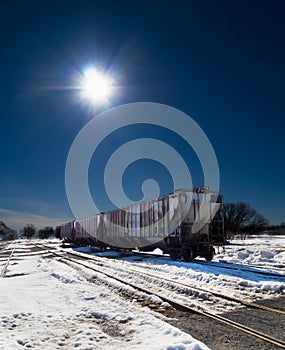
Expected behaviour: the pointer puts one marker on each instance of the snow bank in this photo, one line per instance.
(260, 251)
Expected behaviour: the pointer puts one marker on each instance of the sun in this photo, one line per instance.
(96, 86)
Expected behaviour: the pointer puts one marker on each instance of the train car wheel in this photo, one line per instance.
(210, 254)
(187, 253)
(175, 254)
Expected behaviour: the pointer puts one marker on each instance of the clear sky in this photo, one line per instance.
(220, 62)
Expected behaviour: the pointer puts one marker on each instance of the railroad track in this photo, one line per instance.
(191, 286)
(220, 295)
(4, 247)
(260, 270)
(245, 268)
(225, 265)
(65, 257)
(175, 283)
(221, 264)
(5, 268)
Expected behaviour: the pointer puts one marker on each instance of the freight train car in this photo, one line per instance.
(180, 224)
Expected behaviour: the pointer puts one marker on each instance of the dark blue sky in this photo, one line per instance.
(221, 62)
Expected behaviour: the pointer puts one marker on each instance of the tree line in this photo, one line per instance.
(29, 231)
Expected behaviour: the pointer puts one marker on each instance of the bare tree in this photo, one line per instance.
(241, 219)
(28, 231)
(6, 233)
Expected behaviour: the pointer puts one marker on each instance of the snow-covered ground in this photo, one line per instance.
(48, 305)
(45, 304)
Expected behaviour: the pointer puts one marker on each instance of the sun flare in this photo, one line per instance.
(96, 86)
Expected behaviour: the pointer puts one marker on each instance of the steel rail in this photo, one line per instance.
(238, 268)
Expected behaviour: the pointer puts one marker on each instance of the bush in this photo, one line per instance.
(46, 232)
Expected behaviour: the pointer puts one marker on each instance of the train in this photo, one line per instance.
(183, 224)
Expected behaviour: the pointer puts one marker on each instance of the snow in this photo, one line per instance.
(46, 304)
(258, 251)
